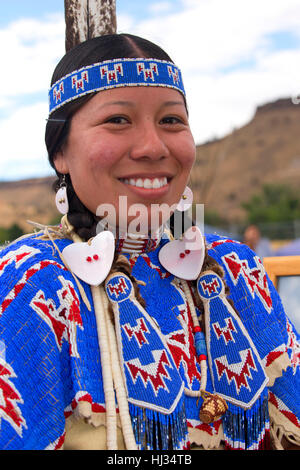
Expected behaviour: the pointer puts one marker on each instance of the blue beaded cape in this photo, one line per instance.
(50, 359)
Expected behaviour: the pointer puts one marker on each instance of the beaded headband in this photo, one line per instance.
(113, 74)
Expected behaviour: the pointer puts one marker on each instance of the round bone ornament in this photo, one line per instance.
(186, 200)
(91, 261)
(61, 200)
(184, 258)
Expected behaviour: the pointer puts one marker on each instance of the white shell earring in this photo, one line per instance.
(61, 198)
(186, 200)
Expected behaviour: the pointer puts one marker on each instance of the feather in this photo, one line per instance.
(86, 19)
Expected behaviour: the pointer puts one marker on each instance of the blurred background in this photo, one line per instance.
(241, 68)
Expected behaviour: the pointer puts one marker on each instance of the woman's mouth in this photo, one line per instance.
(146, 183)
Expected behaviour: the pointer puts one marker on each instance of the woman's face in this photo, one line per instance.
(133, 142)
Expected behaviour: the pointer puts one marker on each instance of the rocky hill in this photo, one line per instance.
(30, 199)
(266, 150)
(227, 171)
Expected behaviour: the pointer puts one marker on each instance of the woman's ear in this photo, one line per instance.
(60, 162)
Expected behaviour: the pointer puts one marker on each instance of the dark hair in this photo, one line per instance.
(107, 47)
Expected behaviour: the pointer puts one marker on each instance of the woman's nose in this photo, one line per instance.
(149, 144)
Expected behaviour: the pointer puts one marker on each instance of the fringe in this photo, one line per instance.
(247, 429)
(156, 431)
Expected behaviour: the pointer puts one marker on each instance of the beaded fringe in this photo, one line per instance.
(248, 429)
(156, 431)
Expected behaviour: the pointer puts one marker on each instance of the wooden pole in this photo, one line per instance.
(86, 19)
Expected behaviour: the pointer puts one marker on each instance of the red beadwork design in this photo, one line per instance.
(137, 331)
(282, 408)
(182, 255)
(162, 273)
(238, 372)
(294, 345)
(153, 373)
(182, 346)
(96, 257)
(22, 282)
(226, 331)
(89, 259)
(10, 410)
(255, 278)
(62, 319)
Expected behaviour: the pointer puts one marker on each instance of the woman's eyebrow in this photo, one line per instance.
(133, 104)
(173, 103)
(118, 103)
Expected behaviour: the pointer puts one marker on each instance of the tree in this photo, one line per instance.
(86, 19)
(276, 203)
(10, 234)
(275, 211)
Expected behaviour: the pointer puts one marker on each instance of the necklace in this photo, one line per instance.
(213, 406)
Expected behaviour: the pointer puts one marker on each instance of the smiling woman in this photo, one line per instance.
(151, 156)
(119, 339)
(119, 111)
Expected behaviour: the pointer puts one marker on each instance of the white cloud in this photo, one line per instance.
(208, 39)
(218, 103)
(31, 50)
(22, 142)
(160, 7)
(209, 36)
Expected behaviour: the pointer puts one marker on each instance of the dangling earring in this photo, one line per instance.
(186, 200)
(61, 198)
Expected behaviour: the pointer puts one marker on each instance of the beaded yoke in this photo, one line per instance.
(50, 365)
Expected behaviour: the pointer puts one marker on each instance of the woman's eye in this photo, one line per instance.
(172, 120)
(117, 120)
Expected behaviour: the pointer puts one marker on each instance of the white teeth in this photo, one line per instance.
(138, 183)
(147, 183)
(156, 183)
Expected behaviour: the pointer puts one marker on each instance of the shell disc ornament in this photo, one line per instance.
(61, 200)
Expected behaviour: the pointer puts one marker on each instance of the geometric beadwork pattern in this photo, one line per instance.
(114, 74)
(236, 368)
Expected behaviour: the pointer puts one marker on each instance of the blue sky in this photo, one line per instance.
(234, 55)
(39, 9)
(14, 9)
